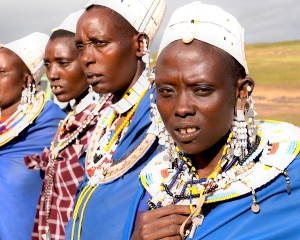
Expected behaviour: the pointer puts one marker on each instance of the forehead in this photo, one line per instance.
(61, 46)
(9, 57)
(196, 60)
(93, 21)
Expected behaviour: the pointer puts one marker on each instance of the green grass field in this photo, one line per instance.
(275, 63)
(275, 67)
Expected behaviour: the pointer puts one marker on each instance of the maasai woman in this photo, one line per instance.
(230, 177)
(27, 125)
(64, 161)
(112, 38)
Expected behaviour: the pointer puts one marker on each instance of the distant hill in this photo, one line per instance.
(274, 63)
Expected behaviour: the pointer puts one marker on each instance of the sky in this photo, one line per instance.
(263, 20)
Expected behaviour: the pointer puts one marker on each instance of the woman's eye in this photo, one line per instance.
(203, 90)
(2, 71)
(64, 64)
(98, 43)
(166, 92)
(79, 46)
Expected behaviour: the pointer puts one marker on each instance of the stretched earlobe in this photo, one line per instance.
(245, 87)
(143, 44)
(28, 79)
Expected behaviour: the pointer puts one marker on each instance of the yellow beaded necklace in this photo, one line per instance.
(88, 190)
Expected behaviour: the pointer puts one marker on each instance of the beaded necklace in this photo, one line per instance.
(24, 116)
(59, 143)
(104, 141)
(105, 138)
(179, 184)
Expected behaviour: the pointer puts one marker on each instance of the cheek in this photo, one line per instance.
(11, 89)
(165, 109)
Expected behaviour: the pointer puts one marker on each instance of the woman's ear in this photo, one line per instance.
(28, 79)
(143, 43)
(244, 88)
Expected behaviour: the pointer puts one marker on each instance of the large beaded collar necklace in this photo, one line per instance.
(26, 113)
(106, 137)
(177, 182)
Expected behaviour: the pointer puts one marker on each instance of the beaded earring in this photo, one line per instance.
(164, 138)
(28, 94)
(146, 59)
(250, 114)
(243, 133)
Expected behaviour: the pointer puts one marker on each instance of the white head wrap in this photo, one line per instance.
(31, 50)
(209, 24)
(70, 22)
(144, 15)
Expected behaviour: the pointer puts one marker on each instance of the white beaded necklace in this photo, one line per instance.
(97, 168)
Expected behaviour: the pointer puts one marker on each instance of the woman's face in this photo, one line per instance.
(12, 70)
(63, 69)
(195, 95)
(107, 56)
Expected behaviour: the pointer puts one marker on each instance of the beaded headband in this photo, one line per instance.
(144, 15)
(31, 50)
(70, 22)
(209, 24)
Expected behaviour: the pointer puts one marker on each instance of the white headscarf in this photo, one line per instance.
(209, 24)
(70, 22)
(31, 50)
(144, 15)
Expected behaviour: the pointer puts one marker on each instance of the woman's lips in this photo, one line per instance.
(57, 90)
(186, 134)
(93, 78)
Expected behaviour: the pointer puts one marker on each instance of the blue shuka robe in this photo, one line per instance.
(19, 187)
(115, 202)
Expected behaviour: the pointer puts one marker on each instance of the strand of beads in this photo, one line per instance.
(124, 123)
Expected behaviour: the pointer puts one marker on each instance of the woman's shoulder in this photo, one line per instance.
(51, 113)
(278, 131)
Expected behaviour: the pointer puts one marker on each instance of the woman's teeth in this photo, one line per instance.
(187, 130)
(55, 88)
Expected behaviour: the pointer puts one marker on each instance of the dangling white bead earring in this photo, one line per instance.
(250, 114)
(28, 94)
(164, 138)
(146, 59)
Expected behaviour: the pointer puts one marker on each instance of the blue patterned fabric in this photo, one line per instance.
(20, 187)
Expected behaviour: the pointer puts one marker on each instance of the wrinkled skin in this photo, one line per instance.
(64, 70)
(110, 60)
(194, 91)
(14, 77)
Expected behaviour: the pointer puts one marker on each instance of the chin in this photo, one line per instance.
(100, 89)
(63, 99)
(189, 147)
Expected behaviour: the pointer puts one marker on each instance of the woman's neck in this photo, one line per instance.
(10, 110)
(119, 94)
(82, 95)
(206, 162)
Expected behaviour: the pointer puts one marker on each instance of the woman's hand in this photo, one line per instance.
(162, 223)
